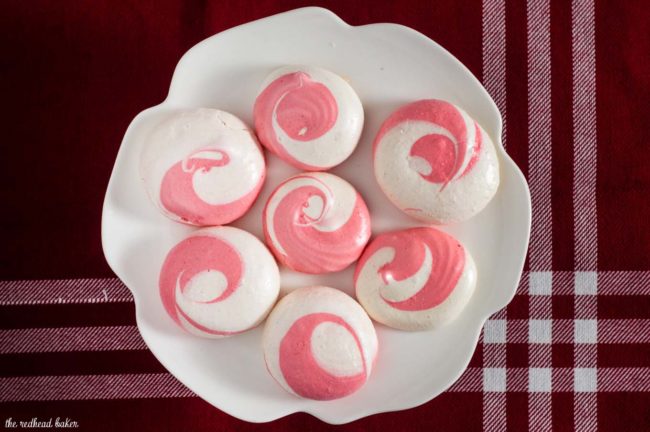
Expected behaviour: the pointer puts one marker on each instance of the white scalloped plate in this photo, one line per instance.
(388, 65)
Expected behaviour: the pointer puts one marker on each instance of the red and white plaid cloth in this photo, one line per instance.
(572, 80)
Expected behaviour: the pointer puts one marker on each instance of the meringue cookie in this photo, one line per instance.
(435, 163)
(219, 281)
(308, 116)
(316, 223)
(415, 279)
(202, 167)
(319, 343)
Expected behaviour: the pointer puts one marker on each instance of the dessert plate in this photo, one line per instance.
(388, 65)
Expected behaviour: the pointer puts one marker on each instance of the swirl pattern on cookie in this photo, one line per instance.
(218, 282)
(435, 162)
(308, 116)
(415, 279)
(203, 167)
(319, 344)
(316, 223)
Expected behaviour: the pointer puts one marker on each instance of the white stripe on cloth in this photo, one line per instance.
(83, 387)
(470, 381)
(539, 131)
(70, 339)
(605, 282)
(624, 283)
(539, 413)
(494, 55)
(611, 380)
(622, 331)
(162, 385)
(583, 51)
(494, 412)
(61, 291)
(538, 31)
(495, 331)
(568, 331)
(623, 379)
(585, 349)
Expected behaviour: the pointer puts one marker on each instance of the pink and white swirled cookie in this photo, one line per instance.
(218, 282)
(308, 116)
(316, 223)
(319, 343)
(202, 167)
(435, 162)
(415, 279)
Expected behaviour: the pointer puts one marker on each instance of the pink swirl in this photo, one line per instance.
(447, 263)
(187, 259)
(447, 161)
(304, 109)
(303, 241)
(178, 196)
(301, 370)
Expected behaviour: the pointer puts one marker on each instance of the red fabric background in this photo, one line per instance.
(74, 73)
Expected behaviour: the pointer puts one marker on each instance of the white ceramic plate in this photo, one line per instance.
(388, 65)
